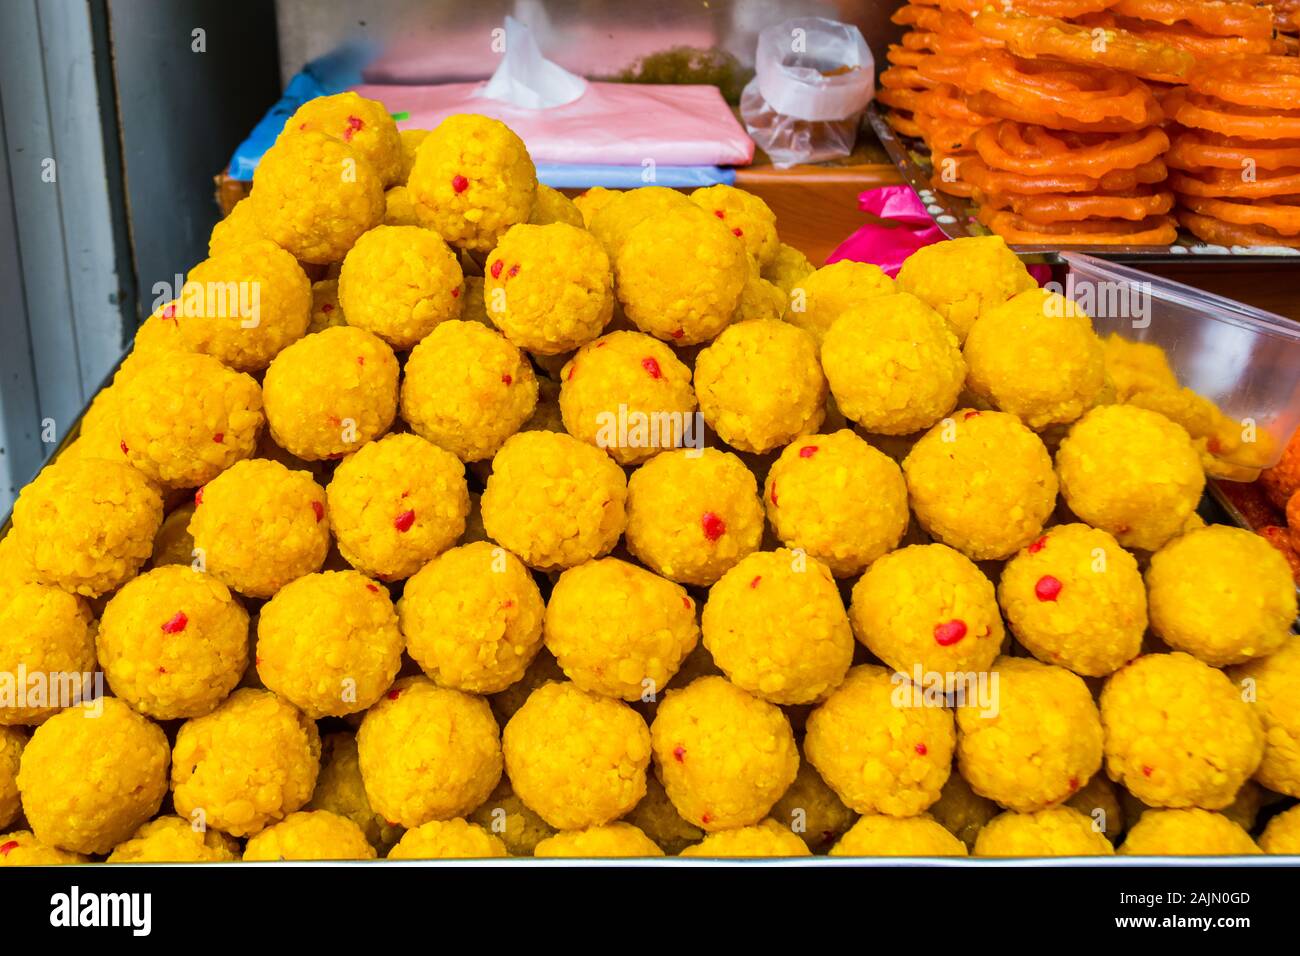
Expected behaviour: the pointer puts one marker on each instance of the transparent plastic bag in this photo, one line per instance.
(813, 78)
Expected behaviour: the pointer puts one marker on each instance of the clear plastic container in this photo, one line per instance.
(1245, 360)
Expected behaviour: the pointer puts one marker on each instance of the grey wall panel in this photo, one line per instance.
(64, 257)
(20, 447)
(183, 111)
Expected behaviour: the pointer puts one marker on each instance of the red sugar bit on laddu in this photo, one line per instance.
(949, 632)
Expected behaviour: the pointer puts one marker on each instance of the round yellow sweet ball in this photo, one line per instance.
(981, 482)
(186, 419)
(364, 124)
(927, 607)
(472, 180)
(764, 839)
(1178, 733)
(48, 635)
(893, 366)
(604, 842)
(243, 306)
(428, 752)
(1190, 832)
(87, 525)
(878, 754)
(962, 278)
(1040, 745)
(618, 629)
(548, 288)
(1131, 472)
(1272, 680)
(776, 626)
(396, 504)
(822, 296)
(329, 643)
(1074, 597)
(692, 514)
(746, 215)
(838, 499)
(89, 781)
(878, 835)
(467, 389)
(448, 840)
(310, 835)
(723, 755)
(173, 840)
(1059, 831)
(258, 526)
(314, 196)
(679, 275)
(554, 501)
(1036, 357)
(1224, 595)
(472, 618)
(173, 642)
(760, 385)
(627, 393)
(577, 759)
(331, 392)
(400, 282)
(251, 762)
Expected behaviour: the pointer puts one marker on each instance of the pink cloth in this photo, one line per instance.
(622, 124)
(888, 246)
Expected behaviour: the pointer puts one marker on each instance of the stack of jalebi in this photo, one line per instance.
(1207, 29)
(1056, 116)
(1235, 157)
(1049, 126)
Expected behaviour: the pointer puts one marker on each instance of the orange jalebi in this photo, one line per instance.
(1016, 230)
(901, 56)
(944, 69)
(903, 78)
(945, 102)
(990, 105)
(1033, 37)
(898, 99)
(1271, 82)
(1072, 93)
(1196, 149)
(1041, 8)
(1222, 233)
(944, 44)
(904, 125)
(1132, 205)
(1033, 151)
(1231, 184)
(935, 20)
(974, 171)
(944, 135)
(1248, 122)
(1211, 16)
(1282, 217)
(1182, 36)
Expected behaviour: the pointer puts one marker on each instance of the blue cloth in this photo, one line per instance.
(567, 176)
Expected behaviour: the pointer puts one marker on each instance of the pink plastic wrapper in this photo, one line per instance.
(888, 246)
(611, 123)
